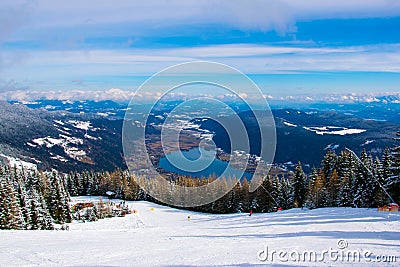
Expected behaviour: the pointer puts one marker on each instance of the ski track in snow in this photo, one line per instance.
(165, 237)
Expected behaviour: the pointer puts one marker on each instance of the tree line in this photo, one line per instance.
(32, 200)
(341, 181)
(38, 200)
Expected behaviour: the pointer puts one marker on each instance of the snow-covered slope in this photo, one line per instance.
(165, 237)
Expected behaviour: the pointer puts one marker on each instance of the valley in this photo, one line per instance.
(68, 135)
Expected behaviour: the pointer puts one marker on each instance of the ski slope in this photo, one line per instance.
(162, 236)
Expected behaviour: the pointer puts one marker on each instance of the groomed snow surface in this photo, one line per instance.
(162, 236)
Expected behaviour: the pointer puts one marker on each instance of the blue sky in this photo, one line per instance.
(288, 47)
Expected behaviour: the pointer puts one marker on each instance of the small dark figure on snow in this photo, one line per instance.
(251, 212)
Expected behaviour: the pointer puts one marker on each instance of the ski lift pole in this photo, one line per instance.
(370, 172)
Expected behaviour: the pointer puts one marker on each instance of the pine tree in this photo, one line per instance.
(329, 163)
(287, 194)
(320, 196)
(345, 198)
(79, 184)
(58, 201)
(32, 181)
(333, 189)
(90, 215)
(23, 203)
(220, 205)
(10, 210)
(72, 179)
(386, 167)
(4, 203)
(95, 213)
(263, 198)
(233, 204)
(276, 192)
(343, 165)
(394, 180)
(380, 198)
(311, 201)
(299, 187)
(323, 198)
(364, 184)
(39, 215)
(245, 196)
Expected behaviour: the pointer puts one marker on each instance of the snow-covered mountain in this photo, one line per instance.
(59, 140)
(107, 108)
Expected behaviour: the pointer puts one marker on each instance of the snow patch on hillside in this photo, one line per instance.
(289, 124)
(58, 157)
(333, 130)
(31, 145)
(69, 145)
(20, 164)
(331, 146)
(59, 122)
(74, 152)
(87, 136)
(367, 142)
(83, 125)
(47, 141)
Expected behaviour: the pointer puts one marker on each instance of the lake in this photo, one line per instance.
(217, 167)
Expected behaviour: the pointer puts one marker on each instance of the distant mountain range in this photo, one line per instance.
(305, 136)
(78, 135)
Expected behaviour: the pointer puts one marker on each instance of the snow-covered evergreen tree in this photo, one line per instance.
(323, 200)
(299, 187)
(10, 210)
(394, 180)
(58, 200)
(276, 192)
(343, 166)
(364, 184)
(40, 218)
(287, 194)
(380, 174)
(72, 184)
(23, 202)
(345, 197)
(329, 163)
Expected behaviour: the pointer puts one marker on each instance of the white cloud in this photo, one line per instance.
(316, 9)
(57, 67)
(13, 15)
(279, 15)
(257, 14)
(242, 50)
